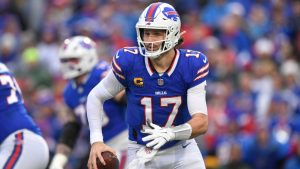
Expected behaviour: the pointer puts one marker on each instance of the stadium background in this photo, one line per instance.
(253, 46)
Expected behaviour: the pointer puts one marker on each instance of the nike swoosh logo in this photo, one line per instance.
(185, 145)
(117, 55)
(205, 60)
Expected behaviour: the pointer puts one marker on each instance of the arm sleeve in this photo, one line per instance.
(196, 99)
(70, 133)
(103, 91)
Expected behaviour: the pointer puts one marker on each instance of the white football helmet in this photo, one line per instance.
(159, 16)
(77, 56)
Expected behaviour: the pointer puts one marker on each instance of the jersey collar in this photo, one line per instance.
(169, 71)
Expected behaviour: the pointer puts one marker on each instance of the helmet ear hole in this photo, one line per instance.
(142, 30)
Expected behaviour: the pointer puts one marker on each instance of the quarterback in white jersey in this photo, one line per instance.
(165, 90)
(21, 143)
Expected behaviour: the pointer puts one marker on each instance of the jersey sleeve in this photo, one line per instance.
(121, 64)
(199, 68)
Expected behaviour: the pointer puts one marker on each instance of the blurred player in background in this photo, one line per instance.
(81, 66)
(165, 89)
(21, 143)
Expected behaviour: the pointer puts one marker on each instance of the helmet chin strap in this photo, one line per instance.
(151, 54)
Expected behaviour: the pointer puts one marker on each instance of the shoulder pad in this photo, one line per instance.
(198, 66)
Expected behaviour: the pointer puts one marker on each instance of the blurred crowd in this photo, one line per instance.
(253, 47)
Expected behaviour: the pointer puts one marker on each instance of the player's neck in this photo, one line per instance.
(163, 62)
(81, 79)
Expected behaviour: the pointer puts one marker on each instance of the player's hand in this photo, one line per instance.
(158, 136)
(59, 161)
(96, 150)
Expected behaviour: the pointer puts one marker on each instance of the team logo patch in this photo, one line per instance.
(138, 81)
(160, 82)
(170, 13)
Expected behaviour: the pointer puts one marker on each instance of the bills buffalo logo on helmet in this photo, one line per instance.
(85, 44)
(170, 13)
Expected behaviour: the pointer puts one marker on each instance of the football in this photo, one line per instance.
(110, 159)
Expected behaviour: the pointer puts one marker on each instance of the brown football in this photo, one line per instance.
(110, 159)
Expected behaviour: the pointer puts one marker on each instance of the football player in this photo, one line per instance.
(21, 143)
(83, 70)
(165, 89)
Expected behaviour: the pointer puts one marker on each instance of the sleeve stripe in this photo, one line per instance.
(114, 68)
(120, 76)
(116, 65)
(201, 76)
(203, 69)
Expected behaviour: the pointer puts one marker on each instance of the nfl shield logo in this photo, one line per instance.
(160, 82)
